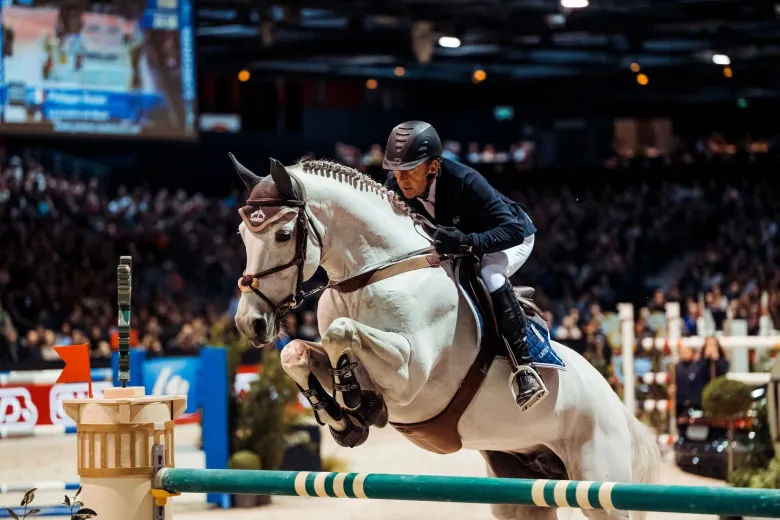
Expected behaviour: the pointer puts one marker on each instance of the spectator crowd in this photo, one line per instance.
(710, 244)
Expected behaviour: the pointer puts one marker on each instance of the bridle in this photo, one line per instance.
(251, 282)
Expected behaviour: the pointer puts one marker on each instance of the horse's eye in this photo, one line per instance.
(283, 235)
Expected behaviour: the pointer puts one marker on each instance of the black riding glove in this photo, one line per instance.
(450, 240)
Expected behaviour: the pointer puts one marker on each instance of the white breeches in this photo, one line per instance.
(498, 266)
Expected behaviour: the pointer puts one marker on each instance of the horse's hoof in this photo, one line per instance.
(373, 409)
(355, 435)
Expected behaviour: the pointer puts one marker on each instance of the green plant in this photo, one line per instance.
(265, 419)
(80, 514)
(726, 398)
(767, 477)
(245, 459)
(29, 496)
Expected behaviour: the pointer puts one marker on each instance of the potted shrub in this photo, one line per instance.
(246, 459)
(728, 399)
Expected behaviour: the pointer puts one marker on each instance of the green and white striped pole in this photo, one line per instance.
(724, 501)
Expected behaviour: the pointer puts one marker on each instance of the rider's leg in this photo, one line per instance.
(495, 271)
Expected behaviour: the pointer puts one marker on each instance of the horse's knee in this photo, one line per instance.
(341, 331)
(296, 360)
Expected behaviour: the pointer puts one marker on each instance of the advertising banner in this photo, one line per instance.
(24, 406)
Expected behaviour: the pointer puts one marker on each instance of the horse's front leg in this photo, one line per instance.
(307, 363)
(384, 356)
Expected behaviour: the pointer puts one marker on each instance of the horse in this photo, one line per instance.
(403, 341)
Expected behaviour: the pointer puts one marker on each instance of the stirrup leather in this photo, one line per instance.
(515, 390)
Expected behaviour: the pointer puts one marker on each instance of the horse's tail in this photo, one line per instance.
(645, 455)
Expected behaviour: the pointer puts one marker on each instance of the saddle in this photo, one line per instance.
(440, 433)
(467, 269)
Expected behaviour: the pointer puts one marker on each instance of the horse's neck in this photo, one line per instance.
(361, 228)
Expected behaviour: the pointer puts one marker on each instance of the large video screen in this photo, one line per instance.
(86, 67)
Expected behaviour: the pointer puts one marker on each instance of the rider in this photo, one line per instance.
(470, 216)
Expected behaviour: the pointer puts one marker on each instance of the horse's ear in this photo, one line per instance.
(249, 178)
(284, 183)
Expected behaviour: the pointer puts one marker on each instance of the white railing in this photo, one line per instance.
(738, 346)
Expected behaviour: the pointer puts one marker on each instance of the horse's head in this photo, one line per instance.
(283, 249)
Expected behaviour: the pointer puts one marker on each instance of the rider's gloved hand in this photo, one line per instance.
(450, 240)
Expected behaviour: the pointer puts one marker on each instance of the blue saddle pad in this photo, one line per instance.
(539, 346)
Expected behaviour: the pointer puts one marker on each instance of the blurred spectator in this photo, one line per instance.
(692, 374)
(61, 238)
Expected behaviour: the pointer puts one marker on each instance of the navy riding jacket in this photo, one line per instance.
(466, 201)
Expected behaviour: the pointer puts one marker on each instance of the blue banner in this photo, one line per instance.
(173, 376)
(2, 59)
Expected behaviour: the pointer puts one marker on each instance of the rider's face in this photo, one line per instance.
(414, 182)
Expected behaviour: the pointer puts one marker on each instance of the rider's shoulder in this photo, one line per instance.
(459, 170)
(466, 174)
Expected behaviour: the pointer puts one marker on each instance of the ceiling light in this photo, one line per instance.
(371, 84)
(721, 59)
(574, 4)
(243, 76)
(449, 41)
(642, 79)
(727, 72)
(479, 76)
(635, 67)
(399, 71)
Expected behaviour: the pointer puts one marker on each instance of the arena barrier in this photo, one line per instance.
(14, 432)
(481, 490)
(44, 511)
(40, 486)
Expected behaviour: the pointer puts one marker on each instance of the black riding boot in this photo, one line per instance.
(513, 322)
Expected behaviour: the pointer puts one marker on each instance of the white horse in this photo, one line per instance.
(401, 340)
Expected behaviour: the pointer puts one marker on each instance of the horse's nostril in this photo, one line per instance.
(259, 327)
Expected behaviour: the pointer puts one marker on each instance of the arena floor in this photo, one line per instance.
(53, 458)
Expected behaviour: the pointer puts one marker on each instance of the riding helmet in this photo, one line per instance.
(410, 144)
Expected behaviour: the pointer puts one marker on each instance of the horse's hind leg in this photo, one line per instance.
(603, 456)
(515, 512)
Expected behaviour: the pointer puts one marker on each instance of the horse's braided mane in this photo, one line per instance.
(358, 180)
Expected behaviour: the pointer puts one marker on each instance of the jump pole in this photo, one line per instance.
(723, 501)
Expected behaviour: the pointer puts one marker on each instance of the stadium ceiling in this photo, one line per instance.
(681, 45)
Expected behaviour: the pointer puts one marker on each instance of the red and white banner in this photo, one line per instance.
(27, 406)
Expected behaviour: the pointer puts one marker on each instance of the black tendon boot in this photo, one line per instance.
(356, 432)
(512, 321)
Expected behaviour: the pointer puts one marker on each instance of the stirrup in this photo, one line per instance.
(535, 398)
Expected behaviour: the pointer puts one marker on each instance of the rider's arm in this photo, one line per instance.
(504, 229)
